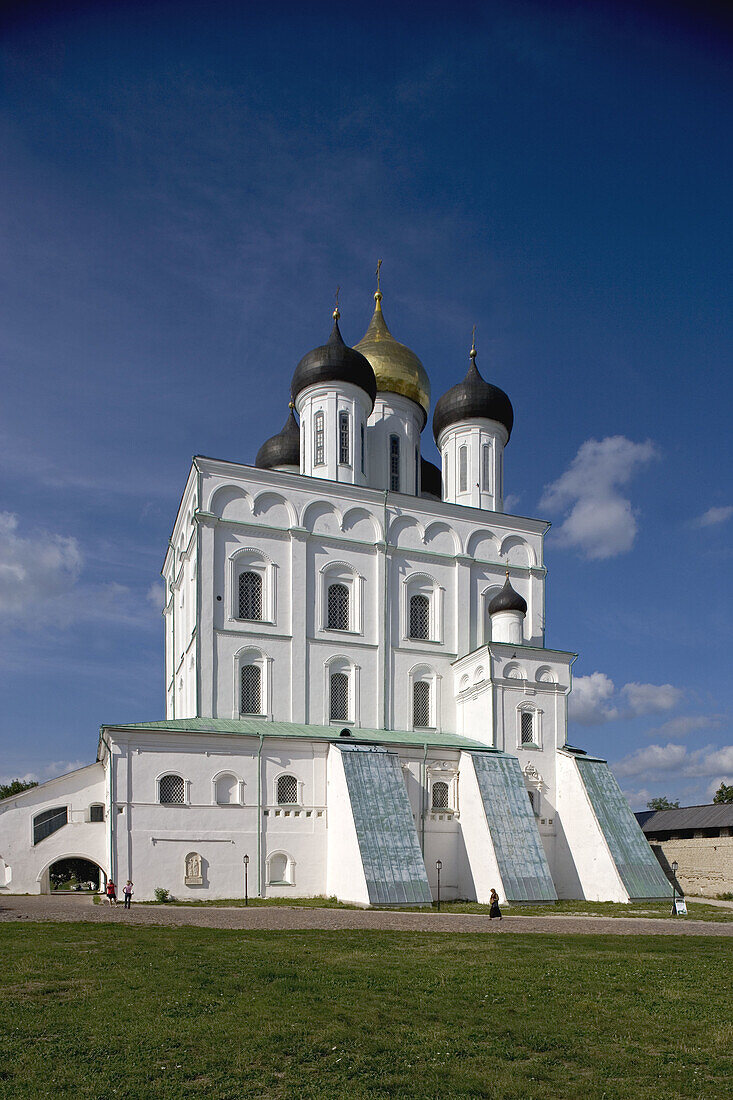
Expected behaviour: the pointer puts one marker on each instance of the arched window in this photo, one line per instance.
(250, 596)
(319, 448)
(394, 463)
(486, 467)
(420, 616)
(339, 695)
(421, 704)
(48, 822)
(463, 469)
(527, 728)
(171, 790)
(344, 448)
(534, 800)
(287, 790)
(227, 790)
(338, 607)
(440, 795)
(250, 689)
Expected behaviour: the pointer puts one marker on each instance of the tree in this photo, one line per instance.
(16, 786)
(662, 803)
(724, 793)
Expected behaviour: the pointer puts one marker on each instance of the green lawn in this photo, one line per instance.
(95, 1010)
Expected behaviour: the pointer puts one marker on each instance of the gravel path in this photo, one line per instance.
(75, 908)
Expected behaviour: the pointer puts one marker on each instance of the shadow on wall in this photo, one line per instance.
(567, 881)
(666, 867)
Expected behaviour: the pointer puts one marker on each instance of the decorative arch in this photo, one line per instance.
(441, 538)
(362, 525)
(169, 793)
(422, 584)
(483, 546)
(529, 725)
(280, 869)
(275, 509)
(424, 697)
(345, 574)
(231, 502)
(545, 675)
(227, 789)
(321, 517)
(517, 551)
(251, 559)
(407, 533)
(341, 678)
(514, 671)
(43, 879)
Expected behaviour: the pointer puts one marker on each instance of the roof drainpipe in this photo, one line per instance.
(387, 650)
(423, 792)
(259, 817)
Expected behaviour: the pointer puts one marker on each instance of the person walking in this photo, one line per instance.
(494, 911)
(127, 891)
(111, 893)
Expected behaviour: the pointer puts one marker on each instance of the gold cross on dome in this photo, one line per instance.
(379, 264)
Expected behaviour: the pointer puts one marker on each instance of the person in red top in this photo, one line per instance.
(111, 892)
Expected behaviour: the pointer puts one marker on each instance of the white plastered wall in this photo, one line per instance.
(583, 865)
(483, 866)
(345, 872)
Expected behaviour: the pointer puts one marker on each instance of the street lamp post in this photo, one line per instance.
(438, 865)
(246, 868)
(675, 865)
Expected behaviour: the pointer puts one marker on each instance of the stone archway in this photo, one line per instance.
(72, 874)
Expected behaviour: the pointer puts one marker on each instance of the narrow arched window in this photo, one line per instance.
(319, 448)
(440, 795)
(287, 790)
(279, 870)
(227, 790)
(251, 689)
(362, 448)
(463, 470)
(338, 607)
(394, 463)
(486, 467)
(250, 596)
(419, 616)
(344, 448)
(171, 790)
(527, 731)
(339, 688)
(421, 703)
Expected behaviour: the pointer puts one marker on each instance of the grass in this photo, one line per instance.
(90, 1010)
(697, 910)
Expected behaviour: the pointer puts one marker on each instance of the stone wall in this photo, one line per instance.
(705, 863)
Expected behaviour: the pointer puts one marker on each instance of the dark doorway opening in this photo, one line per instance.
(74, 875)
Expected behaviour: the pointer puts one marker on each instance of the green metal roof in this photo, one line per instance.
(247, 727)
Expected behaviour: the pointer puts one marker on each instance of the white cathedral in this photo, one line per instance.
(358, 689)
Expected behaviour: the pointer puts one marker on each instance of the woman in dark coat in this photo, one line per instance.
(494, 911)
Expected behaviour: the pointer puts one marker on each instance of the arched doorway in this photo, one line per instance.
(72, 875)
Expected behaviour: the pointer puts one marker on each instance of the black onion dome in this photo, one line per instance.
(334, 362)
(431, 479)
(470, 399)
(507, 600)
(282, 449)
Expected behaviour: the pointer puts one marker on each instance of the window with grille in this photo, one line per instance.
(419, 616)
(48, 822)
(486, 467)
(534, 802)
(440, 795)
(251, 693)
(344, 439)
(319, 450)
(527, 727)
(362, 448)
(250, 596)
(287, 789)
(339, 697)
(421, 703)
(338, 607)
(463, 470)
(96, 812)
(171, 790)
(394, 463)
(446, 486)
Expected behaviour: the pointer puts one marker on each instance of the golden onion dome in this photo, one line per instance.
(396, 368)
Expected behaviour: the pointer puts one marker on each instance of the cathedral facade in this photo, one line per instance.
(359, 696)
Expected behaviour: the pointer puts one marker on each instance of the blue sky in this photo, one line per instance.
(182, 190)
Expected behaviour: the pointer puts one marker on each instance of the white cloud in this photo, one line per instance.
(650, 698)
(34, 571)
(714, 516)
(599, 521)
(589, 703)
(686, 723)
(48, 771)
(594, 699)
(664, 759)
(156, 595)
